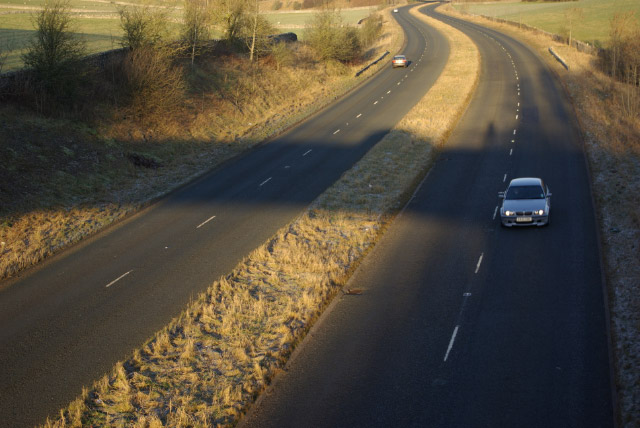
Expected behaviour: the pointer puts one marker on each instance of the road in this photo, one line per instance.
(67, 322)
(462, 323)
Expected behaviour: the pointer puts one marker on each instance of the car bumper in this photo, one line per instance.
(533, 220)
(400, 64)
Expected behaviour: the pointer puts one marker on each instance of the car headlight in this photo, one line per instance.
(509, 213)
(539, 212)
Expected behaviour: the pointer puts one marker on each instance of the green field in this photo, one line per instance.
(593, 27)
(98, 23)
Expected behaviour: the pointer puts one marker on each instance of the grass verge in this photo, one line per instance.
(211, 362)
(612, 145)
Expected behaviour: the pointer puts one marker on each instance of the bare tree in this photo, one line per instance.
(630, 59)
(229, 14)
(257, 29)
(142, 26)
(621, 25)
(282, 54)
(3, 57)
(54, 54)
(573, 16)
(195, 30)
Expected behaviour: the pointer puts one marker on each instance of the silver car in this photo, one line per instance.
(527, 202)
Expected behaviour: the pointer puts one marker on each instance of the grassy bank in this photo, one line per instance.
(612, 145)
(98, 22)
(113, 163)
(210, 363)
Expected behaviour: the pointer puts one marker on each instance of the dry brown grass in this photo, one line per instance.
(612, 144)
(210, 363)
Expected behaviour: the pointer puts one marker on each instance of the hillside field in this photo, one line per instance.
(592, 27)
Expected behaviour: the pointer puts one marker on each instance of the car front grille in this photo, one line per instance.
(524, 212)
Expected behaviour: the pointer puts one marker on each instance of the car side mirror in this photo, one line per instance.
(501, 195)
(548, 195)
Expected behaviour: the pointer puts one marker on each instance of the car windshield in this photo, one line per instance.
(525, 192)
(399, 57)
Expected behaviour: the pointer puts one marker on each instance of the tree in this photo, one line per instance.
(142, 26)
(55, 54)
(195, 27)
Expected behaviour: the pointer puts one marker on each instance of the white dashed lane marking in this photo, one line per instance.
(479, 263)
(118, 279)
(307, 152)
(205, 222)
(265, 181)
(453, 338)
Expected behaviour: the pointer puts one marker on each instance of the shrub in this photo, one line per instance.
(332, 41)
(371, 29)
(297, 5)
(282, 55)
(54, 56)
(150, 81)
(277, 5)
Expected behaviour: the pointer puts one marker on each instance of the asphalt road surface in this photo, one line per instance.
(67, 322)
(462, 323)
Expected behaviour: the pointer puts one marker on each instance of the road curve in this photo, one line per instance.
(66, 323)
(462, 323)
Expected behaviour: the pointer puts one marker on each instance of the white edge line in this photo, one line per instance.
(453, 338)
(479, 262)
(118, 279)
(205, 222)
